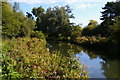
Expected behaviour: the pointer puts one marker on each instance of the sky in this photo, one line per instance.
(83, 10)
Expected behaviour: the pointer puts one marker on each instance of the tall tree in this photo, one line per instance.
(51, 20)
(15, 24)
(10, 26)
(111, 10)
(40, 18)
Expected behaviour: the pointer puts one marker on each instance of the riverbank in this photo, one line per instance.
(104, 45)
(91, 42)
(95, 64)
(30, 58)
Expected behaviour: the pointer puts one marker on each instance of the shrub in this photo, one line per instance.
(38, 34)
(29, 58)
(89, 40)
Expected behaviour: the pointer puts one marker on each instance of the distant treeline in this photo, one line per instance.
(55, 23)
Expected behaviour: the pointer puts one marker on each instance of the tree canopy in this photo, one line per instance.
(111, 10)
(51, 20)
(88, 30)
(14, 23)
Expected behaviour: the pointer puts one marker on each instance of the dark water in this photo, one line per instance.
(96, 66)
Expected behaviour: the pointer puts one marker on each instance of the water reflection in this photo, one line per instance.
(93, 65)
(97, 66)
(111, 68)
(64, 48)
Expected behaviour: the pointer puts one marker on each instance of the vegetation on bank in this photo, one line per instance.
(29, 58)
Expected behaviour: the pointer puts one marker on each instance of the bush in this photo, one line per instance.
(89, 40)
(29, 57)
(38, 34)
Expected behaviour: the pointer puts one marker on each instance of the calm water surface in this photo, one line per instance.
(96, 66)
(93, 66)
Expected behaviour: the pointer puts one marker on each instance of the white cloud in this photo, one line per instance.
(57, 1)
(84, 5)
(78, 4)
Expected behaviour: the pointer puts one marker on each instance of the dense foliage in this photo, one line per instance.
(29, 58)
(55, 22)
(111, 11)
(14, 23)
(89, 30)
(115, 35)
(109, 28)
(25, 54)
(53, 19)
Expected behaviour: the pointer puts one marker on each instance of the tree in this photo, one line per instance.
(29, 15)
(10, 26)
(76, 32)
(40, 18)
(116, 33)
(26, 27)
(53, 19)
(15, 24)
(88, 30)
(111, 10)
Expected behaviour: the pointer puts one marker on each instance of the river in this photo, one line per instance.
(96, 65)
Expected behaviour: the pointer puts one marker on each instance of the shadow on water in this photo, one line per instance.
(98, 64)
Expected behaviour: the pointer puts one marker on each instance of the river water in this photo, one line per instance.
(96, 65)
